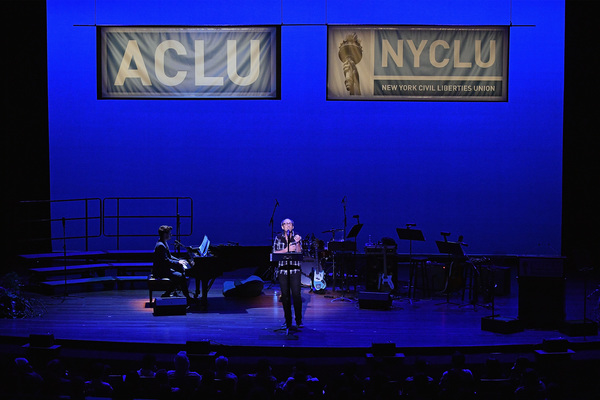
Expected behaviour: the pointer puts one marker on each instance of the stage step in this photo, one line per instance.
(81, 257)
(82, 267)
(86, 271)
(70, 268)
(57, 255)
(97, 283)
(79, 284)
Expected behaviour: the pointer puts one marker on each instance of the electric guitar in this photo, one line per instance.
(318, 282)
(386, 282)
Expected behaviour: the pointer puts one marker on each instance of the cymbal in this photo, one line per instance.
(332, 230)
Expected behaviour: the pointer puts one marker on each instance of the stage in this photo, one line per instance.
(333, 319)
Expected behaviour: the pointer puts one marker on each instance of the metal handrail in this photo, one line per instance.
(86, 217)
(119, 217)
(102, 218)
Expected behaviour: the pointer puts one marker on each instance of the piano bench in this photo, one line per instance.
(155, 284)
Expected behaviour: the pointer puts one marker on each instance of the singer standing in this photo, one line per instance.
(289, 273)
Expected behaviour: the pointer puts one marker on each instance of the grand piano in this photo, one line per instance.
(223, 258)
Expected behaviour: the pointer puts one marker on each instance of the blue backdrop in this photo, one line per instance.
(488, 171)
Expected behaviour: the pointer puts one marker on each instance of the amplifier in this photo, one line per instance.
(374, 300)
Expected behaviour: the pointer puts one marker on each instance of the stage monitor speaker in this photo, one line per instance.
(541, 302)
(41, 340)
(375, 300)
(197, 346)
(170, 306)
(501, 324)
(383, 349)
(41, 348)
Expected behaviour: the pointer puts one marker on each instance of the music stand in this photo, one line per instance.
(410, 235)
(354, 231)
(453, 248)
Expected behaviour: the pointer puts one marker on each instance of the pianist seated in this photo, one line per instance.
(167, 266)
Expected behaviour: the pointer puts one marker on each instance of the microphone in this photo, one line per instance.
(344, 199)
(276, 203)
(179, 244)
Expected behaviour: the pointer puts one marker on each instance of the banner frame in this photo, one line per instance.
(371, 97)
(276, 63)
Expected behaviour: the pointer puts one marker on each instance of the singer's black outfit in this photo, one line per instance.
(167, 266)
(289, 276)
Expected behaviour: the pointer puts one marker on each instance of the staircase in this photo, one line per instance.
(51, 273)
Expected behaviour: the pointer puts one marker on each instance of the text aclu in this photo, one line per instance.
(176, 77)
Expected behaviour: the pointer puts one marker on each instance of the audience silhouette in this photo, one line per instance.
(182, 379)
(457, 383)
(376, 379)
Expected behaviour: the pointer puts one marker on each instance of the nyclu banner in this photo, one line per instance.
(430, 63)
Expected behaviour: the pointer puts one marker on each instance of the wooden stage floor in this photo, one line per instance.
(330, 322)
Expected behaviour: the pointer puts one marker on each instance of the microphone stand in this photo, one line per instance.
(271, 222)
(345, 220)
(64, 254)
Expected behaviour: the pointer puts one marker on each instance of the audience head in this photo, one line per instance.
(221, 362)
(149, 361)
(182, 362)
(23, 365)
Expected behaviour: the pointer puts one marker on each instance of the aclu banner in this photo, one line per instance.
(188, 62)
(454, 63)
